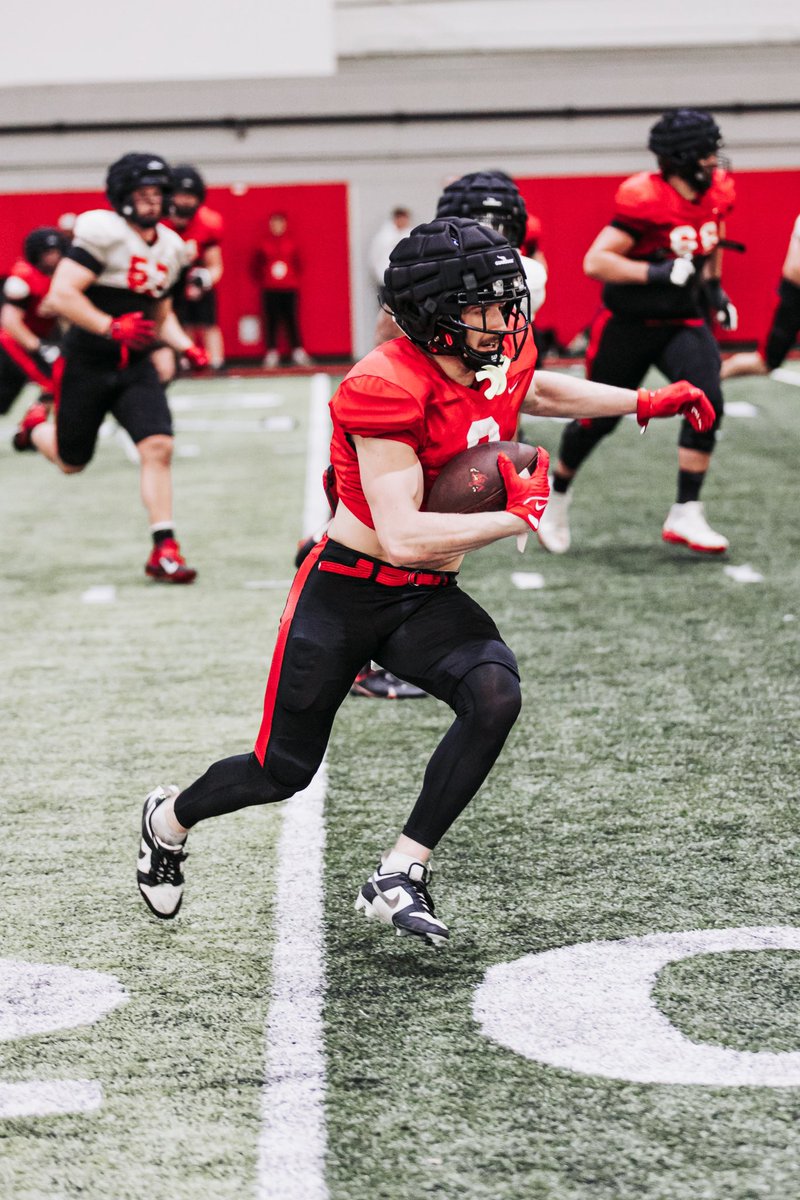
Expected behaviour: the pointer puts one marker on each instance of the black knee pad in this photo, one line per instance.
(490, 695)
(692, 439)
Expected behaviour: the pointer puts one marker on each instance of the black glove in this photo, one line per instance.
(719, 303)
(677, 271)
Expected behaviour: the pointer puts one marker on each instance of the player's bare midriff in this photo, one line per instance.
(347, 529)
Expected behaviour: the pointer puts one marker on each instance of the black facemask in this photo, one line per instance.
(184, 212)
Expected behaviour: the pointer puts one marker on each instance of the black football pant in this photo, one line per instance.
(625, 353)
(336, 618)
(785, 325)
(280, 308)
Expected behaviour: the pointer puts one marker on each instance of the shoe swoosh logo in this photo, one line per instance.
(168, 565)
(391, 903)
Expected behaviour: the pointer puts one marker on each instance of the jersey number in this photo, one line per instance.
(485, 430)
(147, 277)
(685, 240)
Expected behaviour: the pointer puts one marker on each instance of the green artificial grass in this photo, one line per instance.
(649, 785)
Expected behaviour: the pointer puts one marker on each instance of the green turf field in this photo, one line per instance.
(650, 786)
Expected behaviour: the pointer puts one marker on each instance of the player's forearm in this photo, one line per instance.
(556, 395)
(608, 267)
(170, 331)
(12, 322)
(79, 310)
(434, 539)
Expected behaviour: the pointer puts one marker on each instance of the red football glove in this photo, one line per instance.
(132, 330)
(680, 397)
(526, 498)
(196, 357)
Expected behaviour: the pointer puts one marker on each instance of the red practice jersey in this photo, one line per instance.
(26, 288)
(399, 392)
(665, 225)
(205, 229)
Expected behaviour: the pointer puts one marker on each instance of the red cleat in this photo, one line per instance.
(167, 564)
(36, 415)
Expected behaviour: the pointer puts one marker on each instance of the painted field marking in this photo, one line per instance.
(292, 1144)
(195, 401)
(278, 424)
(589, 1008)
(40, 998)
(527, 581)
(101, 593)
(741, 408)
(784, 376)
(743, 574)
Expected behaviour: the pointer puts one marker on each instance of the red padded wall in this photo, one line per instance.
(574, 209)
(317, 215)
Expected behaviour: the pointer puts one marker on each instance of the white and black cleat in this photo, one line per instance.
(397, 894)
(159, 873)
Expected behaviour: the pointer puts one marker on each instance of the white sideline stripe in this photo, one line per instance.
(193, 401)
(51, 1098)
(292, 1144)
(291, 1159)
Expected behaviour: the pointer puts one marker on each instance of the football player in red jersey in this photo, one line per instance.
(29, 332)
(785, 324)
(202, 228)
(659, 261)
(382, 584)
(114, 287)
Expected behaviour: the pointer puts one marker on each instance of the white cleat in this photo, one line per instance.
(686, 525)
(159, 874)
(397, 894)
(553, 531)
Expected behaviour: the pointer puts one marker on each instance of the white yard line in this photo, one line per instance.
(291, 1151)
(783, 375)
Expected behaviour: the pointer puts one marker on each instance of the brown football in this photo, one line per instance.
(471, 482)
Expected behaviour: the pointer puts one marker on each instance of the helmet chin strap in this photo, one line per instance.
(497, 376)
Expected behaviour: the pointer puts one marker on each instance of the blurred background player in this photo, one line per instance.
(202, 228)
(395, 227)
(278, 270)
(113, 287)
(29, 329)
(785, 322)
(659, 262)
(492, 198)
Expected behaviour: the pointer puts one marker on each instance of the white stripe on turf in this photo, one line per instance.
(291, 1151)
(50, 1098)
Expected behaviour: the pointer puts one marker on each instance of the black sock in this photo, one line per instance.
(162, 535)
(561, 483)
(689, 484)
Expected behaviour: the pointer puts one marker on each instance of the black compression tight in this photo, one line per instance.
(486, 703)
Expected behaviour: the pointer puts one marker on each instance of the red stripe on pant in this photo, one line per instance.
(58, 375)
(280, 647)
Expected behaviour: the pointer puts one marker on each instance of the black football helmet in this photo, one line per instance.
(445, 266)
(490, 197)
(134, 171)
(42, 239)
(188, 179)
(679, 139)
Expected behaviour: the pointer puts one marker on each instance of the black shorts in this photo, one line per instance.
(193, 313)
(337, 619)
(90, 390)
